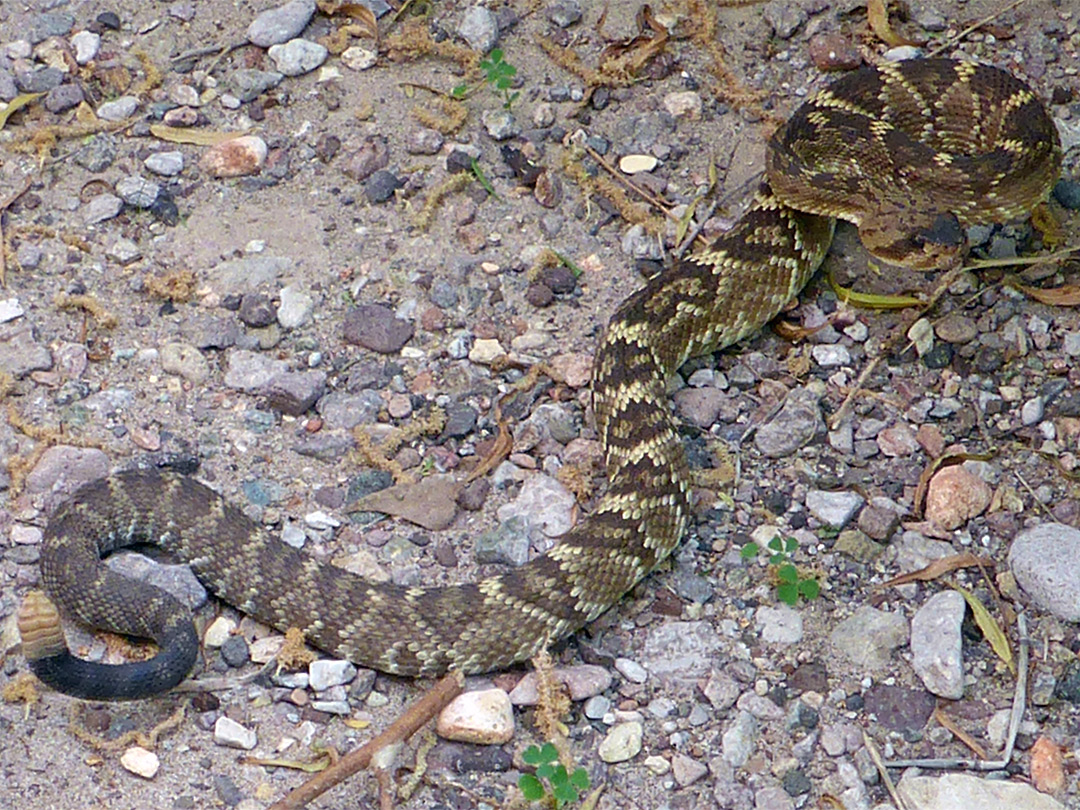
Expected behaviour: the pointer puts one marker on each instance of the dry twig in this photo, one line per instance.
(448, 688)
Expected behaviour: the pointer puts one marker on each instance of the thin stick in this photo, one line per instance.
(401, 729)
(1017, 714)
(948, 43)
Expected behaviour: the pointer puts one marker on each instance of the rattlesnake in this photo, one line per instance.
(911, 152)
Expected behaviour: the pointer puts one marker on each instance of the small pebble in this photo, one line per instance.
(141, 762)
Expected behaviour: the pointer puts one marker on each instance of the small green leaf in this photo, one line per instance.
(459, 91)
(532, 756)
(580, 779)
(775, 544)
(787, 573)
(809, 588)
(776, 559)
(749, 551)
(546, 771)
(788, 594)
(792, 545)
(549, 753)
(531, 787)
(565, 793)
(496, 54)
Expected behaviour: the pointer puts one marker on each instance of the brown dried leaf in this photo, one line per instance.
(938, 568)
(948, 723)
(1067, 295)
(199, 137)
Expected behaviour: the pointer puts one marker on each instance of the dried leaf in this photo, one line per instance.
(685, 220)
(938, 568)
(1067, 295)
(1047, 766)
(17, 104)
(871, 301)
(199, 137)
(991, 630)
(500, 449)
(877, 12)
(948, 723)
(320, 763)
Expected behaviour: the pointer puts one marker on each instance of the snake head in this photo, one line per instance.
(922, 241)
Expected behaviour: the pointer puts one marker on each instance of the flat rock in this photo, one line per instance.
(430, 502)
(62, 469)
(1045, 560)
(375, 327)
(20, 353)
(936, 644)
(960, 791)
(582, 682)
(869, 637)
(797, 422)
(280, 24)
(681, 651)
(140, 762)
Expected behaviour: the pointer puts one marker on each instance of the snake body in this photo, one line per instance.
(910, 152)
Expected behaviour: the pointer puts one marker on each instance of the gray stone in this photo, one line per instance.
(166, 164)
(375, 327)
(1045, 560)
(936, 644)
(740, 739)
(118, 109)
(479, 28)
(869, 637)
(177, 580)
(343, 410)
(779, 625)
(101, 208)
(507, 544)
(544, 504)
(248, 83)
(961, 791)
(680, 651)
(184, 360)
(138, 192)
(834, 509)
(40, 80)
(280, 24)
(296, 307)
(63, 98)
(324, 673)
(251, 371)
(295, 392)
(500, 124)
(297, 56)
(797, 422)
(631, 670)
(20, 353)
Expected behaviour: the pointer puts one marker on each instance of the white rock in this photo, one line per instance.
(635, 164)
(233, 735)
(631, 670)
(622, 743)
(10, 309)
(219, 631)
(485, 350)
(327, 672)
(141, 762)
(484, 717)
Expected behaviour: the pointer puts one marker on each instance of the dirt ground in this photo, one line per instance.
(342, 249)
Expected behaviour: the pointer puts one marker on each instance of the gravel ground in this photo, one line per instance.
(241, 309)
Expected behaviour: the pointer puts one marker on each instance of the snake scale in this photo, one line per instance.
(911, 152)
